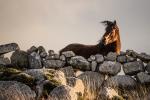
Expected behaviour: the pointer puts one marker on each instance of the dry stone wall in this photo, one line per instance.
(50, 76)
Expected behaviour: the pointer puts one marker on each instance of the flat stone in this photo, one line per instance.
(34, 61)
(122, 59)
(68, 54)
(111, 56)
(143, 78)
(132, 68)
(93, 65)
(148, 67)
(80, 62)
(54, 64)
(99, 58)
(8, 48)
(121, 81)
(20, 59)
(92, 82)
(110, 68)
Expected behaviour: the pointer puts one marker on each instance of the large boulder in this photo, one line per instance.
(110, 68)
(8, 48)
(92, 82)
(132, 68)
(79, 62)
(20, 59)
(63, 93)
(12, 90)
(34, 61)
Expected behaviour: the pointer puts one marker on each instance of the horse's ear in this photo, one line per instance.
(115, 22)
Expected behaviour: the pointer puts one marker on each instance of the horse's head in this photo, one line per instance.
(112, 32)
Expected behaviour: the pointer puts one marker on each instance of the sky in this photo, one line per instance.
(57, 23)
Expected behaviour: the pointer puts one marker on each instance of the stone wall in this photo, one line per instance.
(71, 77)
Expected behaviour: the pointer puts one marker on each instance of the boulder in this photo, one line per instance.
(99, 58)
(92, 82)
(80, 62)
(68, 54)
(68, 71)
(63, 93)
(111, 56)
(8, 48)
(54, 64)
(12, 90)
(143, 78)
(20, 59)
(132, 68)
(34, 61)
(110, 68)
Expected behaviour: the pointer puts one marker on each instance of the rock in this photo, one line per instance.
(122, 59)
(54, 64)
(34, 61)
(130, 59)
(63, 58)
(12, 90)
(32, 49)
(77, 85)
(4, 61)
(132, 68)
(92, 82)
(93, 65)
(41, 49)
(80, 62)
(99, 58)
(92, 57)
(63, 93)
(68, 54)
(110, 68)
(68, 71)
(56, 56)
(51, 52)
(111, 56)
(8, 48)
(132, 53)
(20, 59)
(148, 67)
(143, 78)
(144, 57)
(121, 81)
(43, 54)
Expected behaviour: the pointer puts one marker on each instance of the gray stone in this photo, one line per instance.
(54, 64)
(4, 61)
(43, 54)
(68, 71)
(63, 58)
(8, 48)
(148, 67)
(35, 61)
(122, 53)
(132, 53)
(80, 62)
(131, 59)
(144, 57)
(110, 68)
(92, 82)
(12, 90)
(143, 78)
(20, 59)
(93, 65)
(68, 54)
(99, 58)
(63, 93)
(111, 56)
(56, 56)
(51, 52)
(121, 81)
(92, 57)
(132, 68)
(122, 59)
(41, 49)
(32, 49)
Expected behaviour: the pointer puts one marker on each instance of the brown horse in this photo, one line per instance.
(109, 42)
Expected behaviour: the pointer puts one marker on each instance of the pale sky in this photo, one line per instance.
(57, 23)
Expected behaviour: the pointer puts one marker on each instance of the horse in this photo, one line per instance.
(110, 42)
